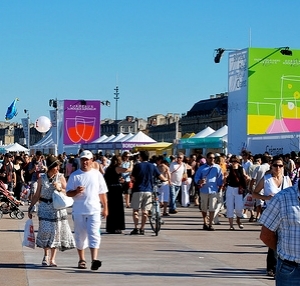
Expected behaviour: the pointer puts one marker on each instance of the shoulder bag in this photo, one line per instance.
(61, 201)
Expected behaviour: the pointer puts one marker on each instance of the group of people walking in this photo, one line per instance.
(104, 189)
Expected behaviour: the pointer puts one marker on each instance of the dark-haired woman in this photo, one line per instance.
(54, 231)
(115, 221)
(19, 177)
(236, 184)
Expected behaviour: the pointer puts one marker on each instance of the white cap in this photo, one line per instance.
(86, 154)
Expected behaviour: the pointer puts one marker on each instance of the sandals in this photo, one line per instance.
(53, 264)
(81, 264)
(45, 261)
(96, 264)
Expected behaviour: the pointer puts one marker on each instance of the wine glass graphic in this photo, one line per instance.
(71, 130)
(85, 127)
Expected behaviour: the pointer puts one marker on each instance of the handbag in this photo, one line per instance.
(61, 201)
(184, 177)
(29, 237)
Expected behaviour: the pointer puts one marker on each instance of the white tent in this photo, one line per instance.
(126, 137)
(102, 138)
(203, 133)
(220, 133)
(16, 147)
(118, 137)
(138, 139)
(141, 137)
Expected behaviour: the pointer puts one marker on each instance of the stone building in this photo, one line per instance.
(210, 112)
(125, 126)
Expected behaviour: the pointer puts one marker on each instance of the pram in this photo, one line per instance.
(8, 204)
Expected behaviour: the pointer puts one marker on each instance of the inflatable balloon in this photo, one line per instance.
(43, 124)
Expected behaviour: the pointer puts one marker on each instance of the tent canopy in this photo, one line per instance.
(16, 147)
(205, 132)
(159, 146)
(214, 140)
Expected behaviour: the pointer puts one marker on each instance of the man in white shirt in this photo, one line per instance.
(177, 169)
(88, 188)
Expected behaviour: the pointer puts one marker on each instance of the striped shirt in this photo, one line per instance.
(282, 216)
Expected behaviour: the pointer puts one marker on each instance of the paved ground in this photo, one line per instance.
(182, 253)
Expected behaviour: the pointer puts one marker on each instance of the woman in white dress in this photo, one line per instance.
(54, 231)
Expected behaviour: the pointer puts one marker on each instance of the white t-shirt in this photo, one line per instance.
(177, 171)
(88, 202)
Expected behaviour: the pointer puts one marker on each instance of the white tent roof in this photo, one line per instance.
(222, 132)
(16, 147)
(126, 137)
(141, 137)
(119, 136)
(203, 133)
(108, 139)
(45, 142)
(103, 137)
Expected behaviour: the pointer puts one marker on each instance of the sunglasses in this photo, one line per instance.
(276, 166)
(211, 158)
(234, 161)
(179, 158)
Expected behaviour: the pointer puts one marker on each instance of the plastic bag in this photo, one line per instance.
(248, 202)
(29, 237)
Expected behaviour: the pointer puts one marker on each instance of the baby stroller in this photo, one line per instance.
(8, 204)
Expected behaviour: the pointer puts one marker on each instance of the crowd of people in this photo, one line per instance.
(102, 186)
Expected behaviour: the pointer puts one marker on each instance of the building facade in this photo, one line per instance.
(212, 112)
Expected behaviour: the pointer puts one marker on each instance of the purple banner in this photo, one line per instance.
(82, 121)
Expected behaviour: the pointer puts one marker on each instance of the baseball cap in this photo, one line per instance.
(86, 154)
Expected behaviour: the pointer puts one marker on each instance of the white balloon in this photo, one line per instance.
(43, 124)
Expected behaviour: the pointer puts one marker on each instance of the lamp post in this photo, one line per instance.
(116, 98)
(53, 103)
(26, 111)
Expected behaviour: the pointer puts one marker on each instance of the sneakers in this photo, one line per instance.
(166, 214)
(241, 226)
(96, 264)
(134, 231)
(142, 232)
(270, 273)
(173, 211)
(210, 228)
(205, 226)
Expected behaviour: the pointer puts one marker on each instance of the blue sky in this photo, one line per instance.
(160, 52)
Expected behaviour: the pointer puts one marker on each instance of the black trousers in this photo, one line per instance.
(271, 260)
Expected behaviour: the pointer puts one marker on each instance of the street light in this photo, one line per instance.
(105, 102)
(219, 54)
(116, 98)
(26, 111)
(286, 51)
(53, 103)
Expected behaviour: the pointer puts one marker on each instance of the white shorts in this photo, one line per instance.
(87, 230)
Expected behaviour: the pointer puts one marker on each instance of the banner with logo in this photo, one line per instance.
(81, 121)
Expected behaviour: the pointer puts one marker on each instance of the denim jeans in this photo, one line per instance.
(174, 190)
(287, 274)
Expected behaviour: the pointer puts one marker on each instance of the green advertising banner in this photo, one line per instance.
(273, 91)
